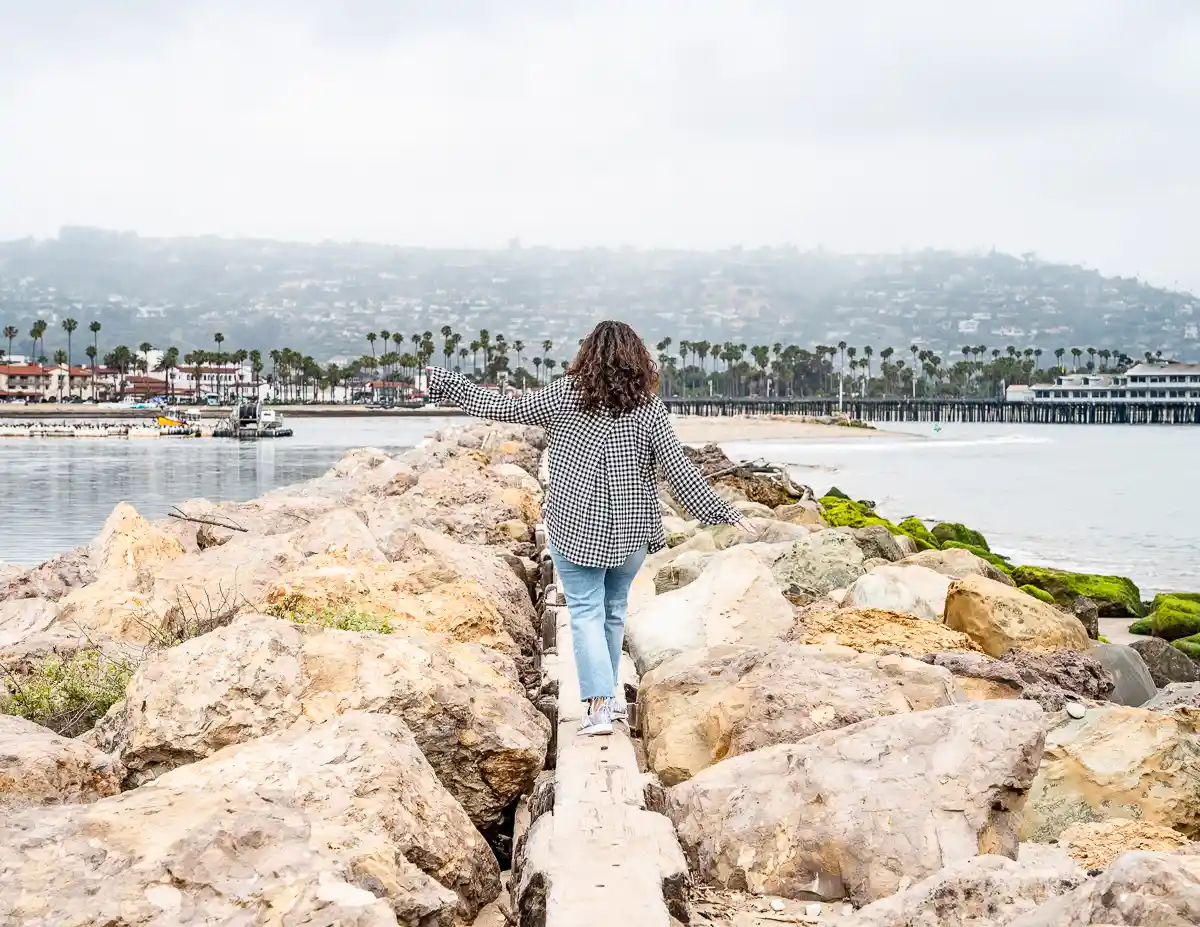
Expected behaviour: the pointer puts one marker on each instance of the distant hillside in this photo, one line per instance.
(322, 299)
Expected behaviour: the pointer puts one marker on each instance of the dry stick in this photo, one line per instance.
(183, 516)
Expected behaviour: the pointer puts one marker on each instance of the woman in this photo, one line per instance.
(608, 434)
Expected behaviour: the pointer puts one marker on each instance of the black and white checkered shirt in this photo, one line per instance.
(602, 502)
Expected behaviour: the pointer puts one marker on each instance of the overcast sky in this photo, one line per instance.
(1066, 127)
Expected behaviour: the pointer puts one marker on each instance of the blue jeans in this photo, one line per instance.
(597, 598)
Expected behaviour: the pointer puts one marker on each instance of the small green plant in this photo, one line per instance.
(68, 696)
(298, 610)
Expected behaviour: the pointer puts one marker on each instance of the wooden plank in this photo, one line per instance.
(600, 858)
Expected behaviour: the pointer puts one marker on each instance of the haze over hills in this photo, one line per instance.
(322, 299)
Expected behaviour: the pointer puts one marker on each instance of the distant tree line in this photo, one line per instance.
(686, 367)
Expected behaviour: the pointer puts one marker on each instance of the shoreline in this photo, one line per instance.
(704, 429)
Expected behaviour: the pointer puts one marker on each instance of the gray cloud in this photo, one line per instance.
(862, 125)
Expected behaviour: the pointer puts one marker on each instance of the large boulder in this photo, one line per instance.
(720, 702)
(9, 571)
(339, 822)
(259, 675)
(687, 568)
(1115, 596)
(1001, 618)
(1165, 663)
(807, 512)
(913, 590)
(1117, 762)
(37, 767)
(957, 563)
(53, 579)
(1051, 679)
(983, 891)
(876, 541)
(948, 531)
(129, 542)
(866, 810)
(19, 618)
(1171, 618)
(819, 563)
(1175, 695)
(1132, 682)
(873, 631)
(1137, 890)
(736, 600)
(766, 531)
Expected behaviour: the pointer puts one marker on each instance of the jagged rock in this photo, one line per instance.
(711, 704)
(863, 811)
(1117, 762)
(38, 767)
(1051, 679)
(956, 563)
(1132, 683)
(19, 618)
(907, 545)
(1175, 695)
(912, 590)
(766, 531)
(1088, 613)
(1095, 846)
(877, 541)
(9, 571)
(257, 676)
(341, 822)
(1001, 618)
(807, 512)
(53, 579)
(735, 601)
(684, 569)
(984, 891)
(875, 631)
(341, 533)
(129, 542)
(819, 563)
(1166, 664)
(1137, 890)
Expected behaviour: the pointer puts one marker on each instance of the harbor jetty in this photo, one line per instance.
(354, 699)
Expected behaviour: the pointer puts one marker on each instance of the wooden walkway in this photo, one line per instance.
(954, 410)
(595, 851)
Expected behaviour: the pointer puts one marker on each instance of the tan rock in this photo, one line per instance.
(1117, 762)
(801, 513)
(902, 587)
(766, 531)
(866, 810)
(875, 631)
(259, 675)
(711, 704)
(957, 563)
(1001, 618)
(1095, 846)
(128, 542)
(38, 767)
(341, 822)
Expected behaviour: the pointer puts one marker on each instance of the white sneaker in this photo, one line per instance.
(597, 722)
(618, 708)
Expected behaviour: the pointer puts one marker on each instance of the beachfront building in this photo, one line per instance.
(1159, 381)
(45, 382)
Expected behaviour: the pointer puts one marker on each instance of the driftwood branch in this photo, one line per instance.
(183, 516)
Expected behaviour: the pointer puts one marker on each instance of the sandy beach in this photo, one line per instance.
(701, 429)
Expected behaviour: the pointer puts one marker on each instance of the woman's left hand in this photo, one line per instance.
(744, 524)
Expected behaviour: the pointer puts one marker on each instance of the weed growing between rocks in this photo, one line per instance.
(297, 610)
(69, 695)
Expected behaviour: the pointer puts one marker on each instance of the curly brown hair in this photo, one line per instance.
(613, 370)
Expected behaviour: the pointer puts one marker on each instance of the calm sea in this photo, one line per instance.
(1110, 499)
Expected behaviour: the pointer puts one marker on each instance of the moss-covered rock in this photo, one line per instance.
(1189, 645)
(952, 531)
(1040, 594)
(915, 529)
(68, 696)
(1193, 597)
(835, 493)
(1116, 596)
(1171, 619)
(841, 512)
(998, 561)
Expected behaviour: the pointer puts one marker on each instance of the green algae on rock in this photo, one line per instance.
(1189, 645)
(1116, 596)
(947, 531)
(915, 529)
(998, 561)
(1037, 593)
(1171, 619)
(835, 493)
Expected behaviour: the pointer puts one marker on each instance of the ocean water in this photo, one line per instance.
(1107, 499)
(1114, 499)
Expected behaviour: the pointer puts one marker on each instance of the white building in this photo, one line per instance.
(1160, 381)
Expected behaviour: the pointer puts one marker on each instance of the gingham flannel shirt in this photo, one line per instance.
(602, 501)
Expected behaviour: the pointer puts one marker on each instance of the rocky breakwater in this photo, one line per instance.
(854, 722)
(310, 708)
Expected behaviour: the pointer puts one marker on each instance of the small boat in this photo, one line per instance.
(164, 422)
(250, 420)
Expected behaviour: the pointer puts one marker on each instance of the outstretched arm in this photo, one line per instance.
(689, 486)
(536, 408)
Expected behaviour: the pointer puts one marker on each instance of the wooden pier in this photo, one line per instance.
(952, 410)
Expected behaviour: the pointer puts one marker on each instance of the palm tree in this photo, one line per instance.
(94, 328)
(145, 348)
(371, 337)
(518, 349)
(168, 362)
(69, 326)
(91, 353)
(1058, 356)
(11, 332)
(1037, 354)
(1076, 354)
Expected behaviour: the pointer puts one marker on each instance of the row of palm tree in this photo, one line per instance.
(689, 367)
